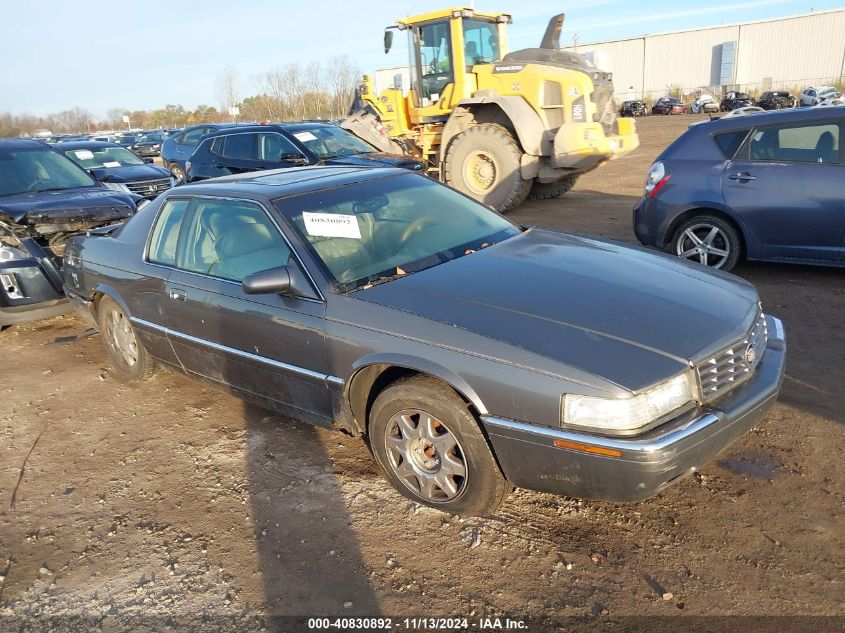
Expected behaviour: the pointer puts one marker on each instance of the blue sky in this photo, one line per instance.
(140, 55)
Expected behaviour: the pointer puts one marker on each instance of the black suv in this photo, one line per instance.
(257, 147)
(776, 99)
(633, 108)
(44, 199)
(734, 100)
(149, 144)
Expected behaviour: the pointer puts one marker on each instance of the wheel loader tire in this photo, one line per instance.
(549, 190)
(484, 162)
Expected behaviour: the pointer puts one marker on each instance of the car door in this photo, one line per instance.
(187, 143)
(267, 347)
(787, 184)
(276, 152)
(238, 153)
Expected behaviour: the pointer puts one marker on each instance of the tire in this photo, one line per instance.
(399, 437)
(177, 172)
(484, 162)
(720, 239)
(127, 354)
(550, 190)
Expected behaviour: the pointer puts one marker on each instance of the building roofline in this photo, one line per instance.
(706, 28)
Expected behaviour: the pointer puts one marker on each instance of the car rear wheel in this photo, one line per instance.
(549, 190)
(431, 448)
(177, 172)
(126, 353)
(708, 240)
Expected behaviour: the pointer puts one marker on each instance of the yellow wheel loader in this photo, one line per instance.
(498, 126)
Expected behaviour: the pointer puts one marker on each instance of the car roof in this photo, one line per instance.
(22, 143)
(255, 127)
(280, 183)
(84, 145)
(796, 115)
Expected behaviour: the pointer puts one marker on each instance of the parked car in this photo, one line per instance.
(776, 100)
(177, 149)
(633, 108)
(821, 95)
(705, 103)
(666, 105)
(149, 144)
(385, 304)
(744, 110)
(44, 199)
(733, 100)
(257, 147)
(126, 140)
(768, 186)
(118, 168)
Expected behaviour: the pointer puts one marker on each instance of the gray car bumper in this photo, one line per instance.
(648, 463)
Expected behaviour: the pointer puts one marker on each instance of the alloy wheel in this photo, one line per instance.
(121, 338)
(426, 456)
(705, 244)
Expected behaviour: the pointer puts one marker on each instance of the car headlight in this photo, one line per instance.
(117, 186)
(9, 253)
(626, 415)
(156, 146)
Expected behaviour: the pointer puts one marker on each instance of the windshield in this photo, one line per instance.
(330, 142)
(379, 230)
(151, 138)
(97, 157)
(23, 171)
(127, 138)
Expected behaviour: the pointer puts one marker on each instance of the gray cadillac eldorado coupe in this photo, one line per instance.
(474, 354)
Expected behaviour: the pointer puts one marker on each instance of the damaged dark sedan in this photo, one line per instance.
(473, 354)
(44, 199)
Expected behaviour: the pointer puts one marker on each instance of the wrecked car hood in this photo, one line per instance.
(90, 206)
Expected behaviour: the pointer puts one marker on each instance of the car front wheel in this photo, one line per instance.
(708, 240)
(177, 172)
(431, 448)
(126, 353)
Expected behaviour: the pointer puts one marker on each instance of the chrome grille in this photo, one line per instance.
(732, 366)
(143, 187)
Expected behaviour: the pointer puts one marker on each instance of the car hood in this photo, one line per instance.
(89, 205)
(624, 314)
(130, 173)
(375, 159)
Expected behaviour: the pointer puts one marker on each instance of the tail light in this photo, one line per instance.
(187, 167)
(656, 179)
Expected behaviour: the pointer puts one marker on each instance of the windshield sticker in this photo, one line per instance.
(331, 225)
(304, 136)
(84, 154)
(111, 163)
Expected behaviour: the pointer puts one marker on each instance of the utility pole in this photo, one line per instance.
(575, 40)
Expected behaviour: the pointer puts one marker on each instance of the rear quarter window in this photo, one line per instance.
(730, 142)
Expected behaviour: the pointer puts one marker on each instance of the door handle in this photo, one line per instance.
(743, 175)
(218, 165)
(177, 294)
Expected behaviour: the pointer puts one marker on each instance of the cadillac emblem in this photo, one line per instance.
(750, 354)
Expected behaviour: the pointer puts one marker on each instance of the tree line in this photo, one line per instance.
(290, 92)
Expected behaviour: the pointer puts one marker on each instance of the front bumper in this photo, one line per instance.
(147, 151)
(529, 458)
(28, 291)
(580, 147)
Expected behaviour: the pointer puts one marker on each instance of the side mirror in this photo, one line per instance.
(388, 41)
(148, 161)
(275, 280)
(294, 157)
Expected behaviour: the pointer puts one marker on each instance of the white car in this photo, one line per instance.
(743, 111)
(821, 95)
(705, 103)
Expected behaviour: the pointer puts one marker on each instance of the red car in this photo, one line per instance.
(666, 105)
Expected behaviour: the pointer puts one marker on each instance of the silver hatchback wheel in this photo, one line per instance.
(425, 456)
(704, 243)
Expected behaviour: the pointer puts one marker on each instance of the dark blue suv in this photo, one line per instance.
(770, 186)
(176, 149)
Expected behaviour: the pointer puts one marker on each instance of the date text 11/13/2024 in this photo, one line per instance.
(417, 624)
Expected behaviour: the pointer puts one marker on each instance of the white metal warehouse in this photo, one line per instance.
(782, 53)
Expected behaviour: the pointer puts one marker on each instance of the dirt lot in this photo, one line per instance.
(170, 499)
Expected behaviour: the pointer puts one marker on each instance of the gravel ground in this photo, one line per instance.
(168, 504)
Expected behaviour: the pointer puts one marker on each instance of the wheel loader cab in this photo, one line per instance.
(443, 47)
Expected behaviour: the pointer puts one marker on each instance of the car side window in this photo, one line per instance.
(817, 143)
(230, 239)
(192, 137)
(239, 146)
(271, 147)
(730, 142)
(165, 233)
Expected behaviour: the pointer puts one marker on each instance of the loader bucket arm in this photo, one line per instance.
(366, 125)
